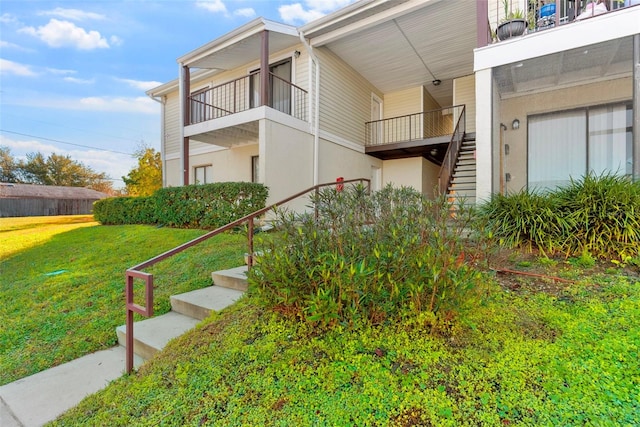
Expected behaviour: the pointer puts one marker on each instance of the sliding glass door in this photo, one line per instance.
(568, 144)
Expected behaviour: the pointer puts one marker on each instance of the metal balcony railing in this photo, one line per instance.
(243, 94)
(412, 127)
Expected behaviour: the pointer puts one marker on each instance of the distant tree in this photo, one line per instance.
(146, 178)
(8, 166)
(61, 170)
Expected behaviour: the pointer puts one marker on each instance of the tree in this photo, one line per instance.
(61, 170)
(8, 166)
(146, 178)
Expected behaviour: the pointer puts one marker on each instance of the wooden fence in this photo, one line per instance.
(10, 207)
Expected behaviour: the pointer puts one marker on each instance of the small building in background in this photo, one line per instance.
(43, 200)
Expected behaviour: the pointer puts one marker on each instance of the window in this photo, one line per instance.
(254, 168)
(203, 174)
(568, 144)
(199, 106)
(279, 87)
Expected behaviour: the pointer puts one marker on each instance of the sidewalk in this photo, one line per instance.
(40, 398)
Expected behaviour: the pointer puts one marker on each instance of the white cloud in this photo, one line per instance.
(79, 81)
(10, 67)
(66, 34)
(59, 71)
(246, 12)
(7, 18)
(295, 13)
(139, 84)
(141, 104)
(115, 41)
(313, 9)
(212, 5)
(8, 45)
(73, 14)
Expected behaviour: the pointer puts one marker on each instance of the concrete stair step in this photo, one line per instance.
(152, 335)
(464, 172)
(463, 180)
(199, 303)
(234, 278)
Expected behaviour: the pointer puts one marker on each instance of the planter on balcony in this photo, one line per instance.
(511, 28)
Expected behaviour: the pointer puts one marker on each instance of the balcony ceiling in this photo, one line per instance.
(578, 66)
(431, 40)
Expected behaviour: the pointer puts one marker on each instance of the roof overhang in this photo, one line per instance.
(399, 44)
(241, 46)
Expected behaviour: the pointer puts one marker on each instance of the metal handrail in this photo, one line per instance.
(411, 127)
(451, 156)
(135, 271)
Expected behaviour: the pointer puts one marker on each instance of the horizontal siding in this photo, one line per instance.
(464, 92)
(408, 101)
(345, 98)
(172, 124)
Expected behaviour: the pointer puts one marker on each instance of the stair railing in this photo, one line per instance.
(451, 156)
(136, 272)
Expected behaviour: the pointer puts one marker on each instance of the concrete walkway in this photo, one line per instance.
(40, 398)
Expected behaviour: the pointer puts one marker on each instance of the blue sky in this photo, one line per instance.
(73, 74)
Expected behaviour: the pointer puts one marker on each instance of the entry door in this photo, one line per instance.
(279, 87)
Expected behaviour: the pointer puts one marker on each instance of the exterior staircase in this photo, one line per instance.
(463, 182)
(187, 310)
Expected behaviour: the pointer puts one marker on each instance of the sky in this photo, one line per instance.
(73, 74)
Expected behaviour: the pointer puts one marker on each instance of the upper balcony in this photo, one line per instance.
(243, 94)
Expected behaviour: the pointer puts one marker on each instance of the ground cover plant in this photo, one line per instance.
(62, 283)
(536, 352)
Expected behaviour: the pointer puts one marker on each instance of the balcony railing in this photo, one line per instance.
(548, 14)
(413, 127)
(243, 94)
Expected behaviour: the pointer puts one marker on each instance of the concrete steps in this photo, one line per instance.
(187, 310)
(463, 180)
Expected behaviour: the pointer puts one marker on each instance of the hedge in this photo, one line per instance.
(205, 206)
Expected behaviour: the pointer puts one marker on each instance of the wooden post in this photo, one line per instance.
(482, 22)
(186, 121)
(264, 69)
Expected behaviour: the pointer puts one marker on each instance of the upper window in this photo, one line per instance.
(568, 144)
(279, 86)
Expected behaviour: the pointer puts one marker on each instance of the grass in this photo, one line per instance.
(533, 354)
(62, 283)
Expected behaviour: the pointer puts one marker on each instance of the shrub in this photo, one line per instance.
(597, 215)
(370, 258)
(192, 206)
(605, 211)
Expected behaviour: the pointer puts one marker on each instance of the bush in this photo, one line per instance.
(193, 206)
(599, 215)
(366, 258)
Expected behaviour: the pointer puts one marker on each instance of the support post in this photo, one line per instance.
(482, 22)
(186, 121)
(636, 108)
(264, 69)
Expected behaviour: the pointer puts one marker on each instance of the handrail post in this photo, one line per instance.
(250, 242)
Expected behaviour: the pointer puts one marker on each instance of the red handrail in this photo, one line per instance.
(135, 271)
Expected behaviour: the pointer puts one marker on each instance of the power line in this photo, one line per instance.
(64, 142)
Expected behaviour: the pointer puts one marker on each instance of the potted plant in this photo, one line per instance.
(514, 23)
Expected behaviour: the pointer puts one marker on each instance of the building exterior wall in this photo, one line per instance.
(338, 161)
(286, 160)
(549, 101)
(345, 98)
(464, 92)
(408, 101)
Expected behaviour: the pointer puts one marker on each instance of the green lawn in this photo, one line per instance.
(535, 353)
(62, 283)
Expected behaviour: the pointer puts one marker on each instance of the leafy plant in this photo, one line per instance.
(359, 257)
(509, 13)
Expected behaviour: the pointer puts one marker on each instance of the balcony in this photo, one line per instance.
(544, 15)
(424, 134)
(243, 94)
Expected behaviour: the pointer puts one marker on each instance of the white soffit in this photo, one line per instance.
(435, 41)
(241, 45)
